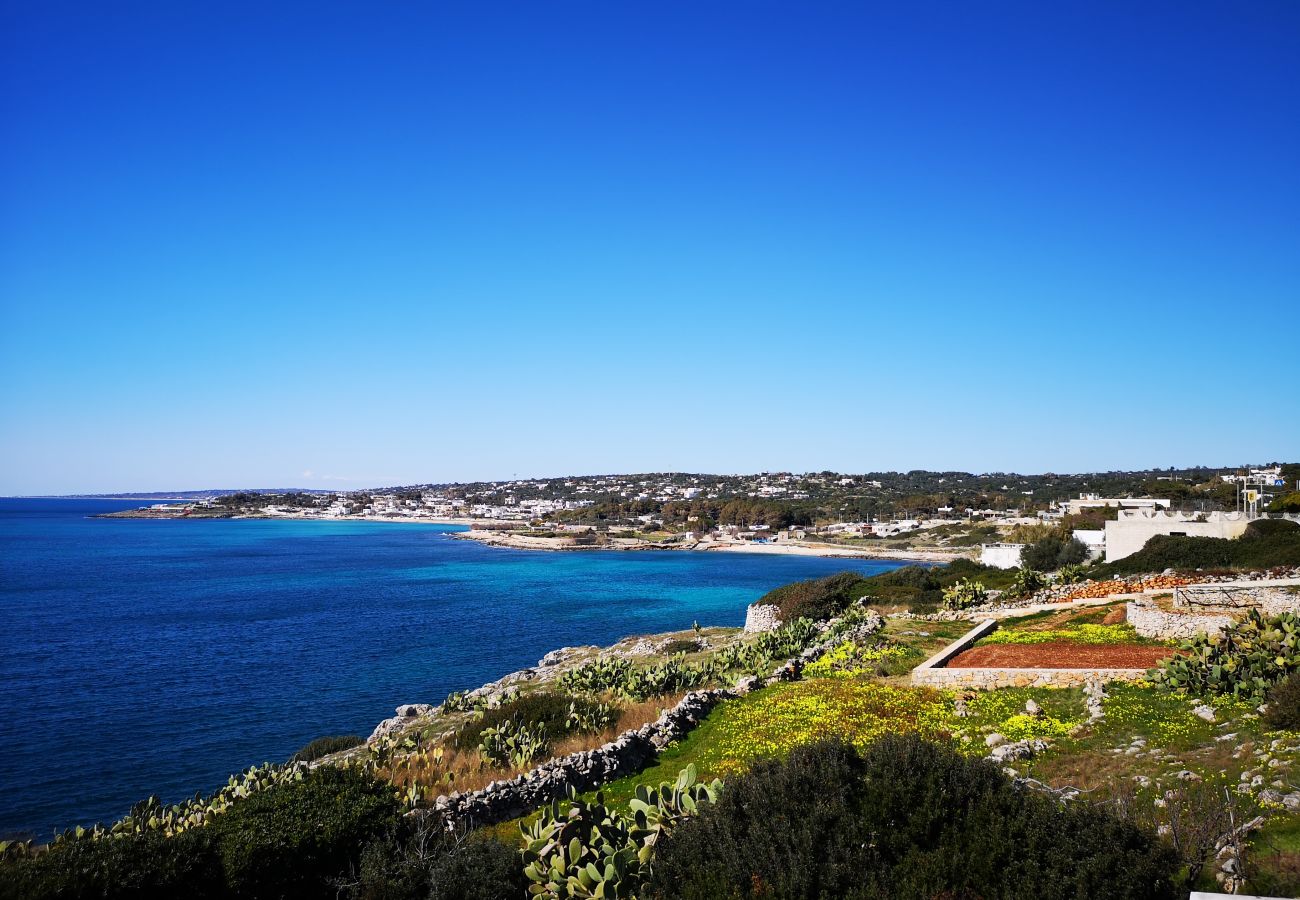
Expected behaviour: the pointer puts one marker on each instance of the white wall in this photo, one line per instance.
(1129, 533)
(1092, 538)
(1003, 556)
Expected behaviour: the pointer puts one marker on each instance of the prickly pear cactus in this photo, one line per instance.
(1244, 660)
(589, 850)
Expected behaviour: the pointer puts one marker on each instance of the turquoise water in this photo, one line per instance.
(156, 657)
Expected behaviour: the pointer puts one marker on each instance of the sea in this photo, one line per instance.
(147, 657)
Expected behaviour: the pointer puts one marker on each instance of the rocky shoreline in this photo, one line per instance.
(562, 543)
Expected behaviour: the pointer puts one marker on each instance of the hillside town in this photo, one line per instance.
(917, 515)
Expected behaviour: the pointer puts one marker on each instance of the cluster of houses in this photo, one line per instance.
(1138, 519)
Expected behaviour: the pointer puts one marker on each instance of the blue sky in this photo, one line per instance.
(338, 245)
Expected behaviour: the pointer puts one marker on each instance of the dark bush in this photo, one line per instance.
(1284, 704)
(968, 569)
(919, 577)
(542, 707)
(431, 864)
(1286, 503)
(907, 819)
(818, 599)
(681, 646)
(1050, 553)
(290, 841)
(324, 746)
(917, 587)
(147, 866)
(1270, 529)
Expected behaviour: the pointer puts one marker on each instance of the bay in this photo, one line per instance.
(147, 657)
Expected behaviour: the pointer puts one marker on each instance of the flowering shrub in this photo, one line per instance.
(848, 659)
(1078, 634)
(1003, 711)
(772, 723)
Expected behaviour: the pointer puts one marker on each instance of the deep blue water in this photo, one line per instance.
(157, 657)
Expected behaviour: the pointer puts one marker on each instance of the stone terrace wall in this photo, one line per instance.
(1151, 621)
(934, 672)
(1271, 599)
(630, 752)
(627, 754)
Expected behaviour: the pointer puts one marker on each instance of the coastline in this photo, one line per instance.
(792, 548)
(515, 541)
(401, 520)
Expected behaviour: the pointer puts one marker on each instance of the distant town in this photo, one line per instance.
(918, 515)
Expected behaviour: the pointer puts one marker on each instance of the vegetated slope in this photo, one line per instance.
(919, 588)
(906, 818)
(1265, 544)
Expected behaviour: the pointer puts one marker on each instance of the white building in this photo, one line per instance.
(1093, 501)
(1094, 539)
(1130, 532)
(1001, 556)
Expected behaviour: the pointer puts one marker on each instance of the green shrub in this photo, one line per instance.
(681, 646)
(1245, 660)
(559, 714)
(1283, 710)
(919, 577)
(957, 570)
(290, 841)
(1286, 503)
(324, 746)
(135, 866)
(1051, 553)
(907, 819)
(818, 599)
(429, 864)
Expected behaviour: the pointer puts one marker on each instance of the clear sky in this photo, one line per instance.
(346, 244)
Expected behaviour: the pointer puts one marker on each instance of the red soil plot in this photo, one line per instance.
(1060, 655)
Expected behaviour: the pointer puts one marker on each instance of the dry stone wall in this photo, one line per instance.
(762, 617)
(627, 754)
(630, 752)
(1151, 621)
(1269, 599)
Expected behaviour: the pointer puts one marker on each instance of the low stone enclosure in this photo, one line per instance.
(627, 754)
(1206, 608)
(935, 671)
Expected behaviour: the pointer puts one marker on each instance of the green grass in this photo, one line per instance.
(1136, 710)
